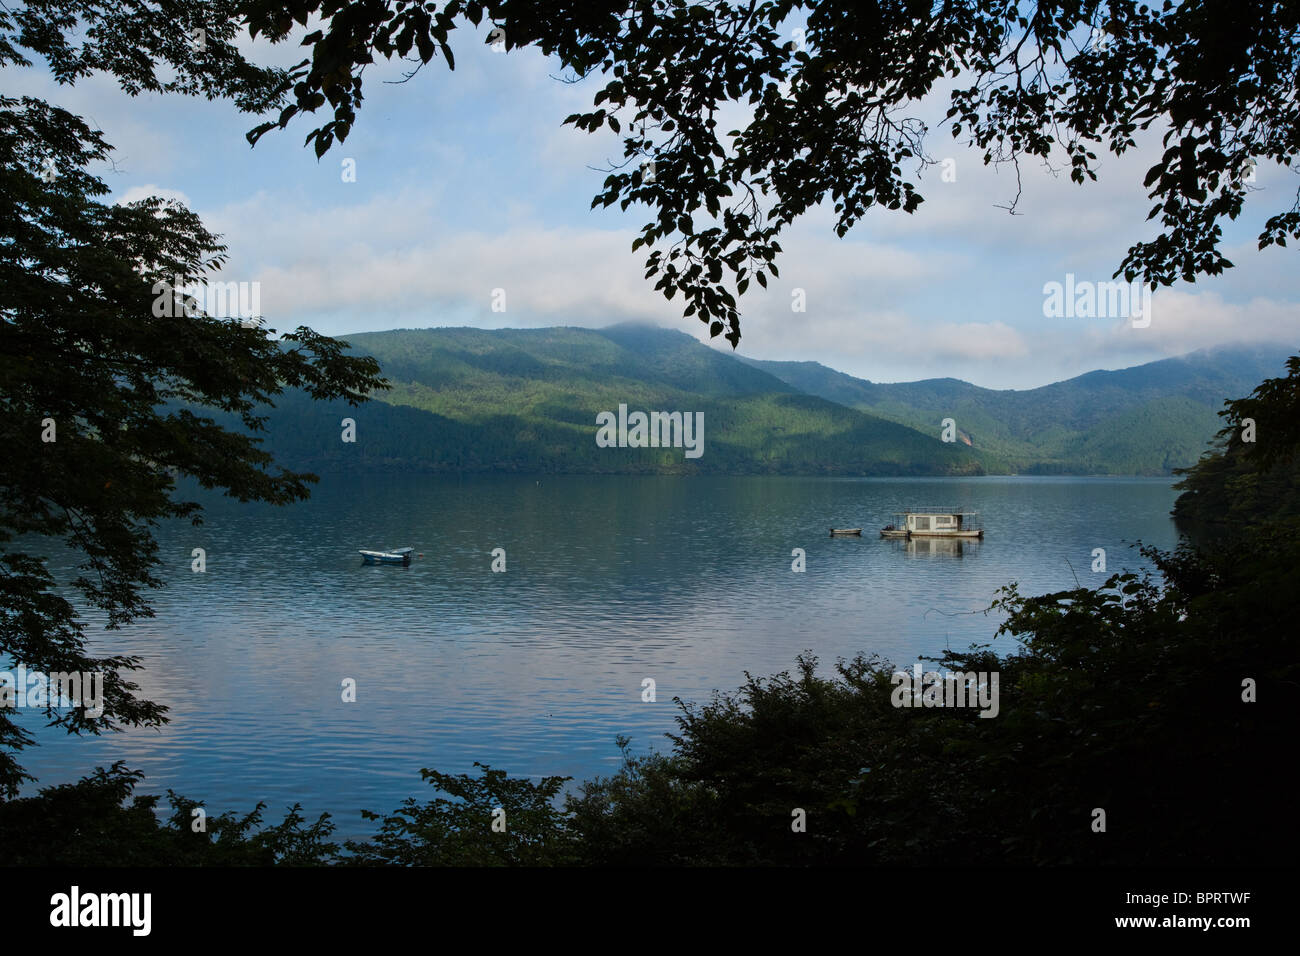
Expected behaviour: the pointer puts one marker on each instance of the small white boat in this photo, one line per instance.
(396, 556)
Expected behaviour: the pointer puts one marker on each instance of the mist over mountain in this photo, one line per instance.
(526, 400)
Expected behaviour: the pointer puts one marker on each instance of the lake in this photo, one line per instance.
(608, 581)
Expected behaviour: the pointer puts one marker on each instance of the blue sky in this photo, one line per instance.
(467, 182)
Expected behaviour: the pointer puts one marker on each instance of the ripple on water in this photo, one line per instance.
(609, 581)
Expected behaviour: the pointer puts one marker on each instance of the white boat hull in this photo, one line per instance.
(396, 556)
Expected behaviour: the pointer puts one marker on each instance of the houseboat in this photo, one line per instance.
(934, 523)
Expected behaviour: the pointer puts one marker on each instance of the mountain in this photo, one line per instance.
(1145, 420)
(527, 400)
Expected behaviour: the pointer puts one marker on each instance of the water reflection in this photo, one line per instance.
(535, 670)
(937, 547)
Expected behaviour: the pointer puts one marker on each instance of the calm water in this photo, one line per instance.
(608, 581)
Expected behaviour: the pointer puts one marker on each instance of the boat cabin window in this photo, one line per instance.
(943, 519)
(922, 523)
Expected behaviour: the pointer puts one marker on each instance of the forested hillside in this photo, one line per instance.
(1249, 482)
(526, 400)
(1145, 420)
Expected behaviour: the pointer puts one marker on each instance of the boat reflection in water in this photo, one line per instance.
(937, 547)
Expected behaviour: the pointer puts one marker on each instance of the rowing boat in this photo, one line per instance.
(395, 556)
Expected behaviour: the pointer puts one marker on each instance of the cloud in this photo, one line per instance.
(467, 182)
(388, 256)
(1183, 321)
(386, 262)
(549, 276)
(976, 341)
(136, 193)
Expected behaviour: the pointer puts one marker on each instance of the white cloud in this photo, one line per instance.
(1183, 321)
(385, 263)
(976, 341)
(136, 193)
(468, 182)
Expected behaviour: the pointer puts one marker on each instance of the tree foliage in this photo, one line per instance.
(1251, 477)
(829, 113)
(91, 372)
(486, 820)
(101, 821)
